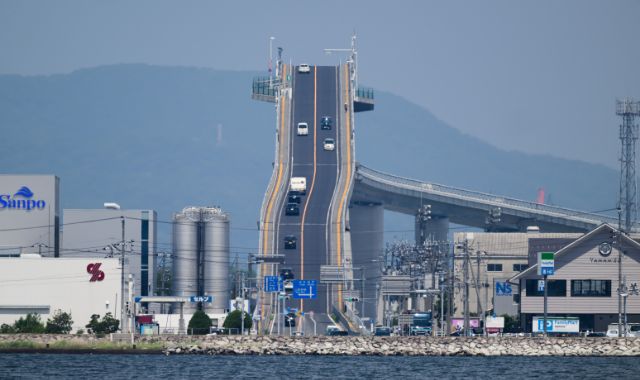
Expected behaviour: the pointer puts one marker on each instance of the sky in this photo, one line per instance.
(531, 76)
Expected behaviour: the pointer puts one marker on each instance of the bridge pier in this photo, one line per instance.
(367, 242)
(434, 229)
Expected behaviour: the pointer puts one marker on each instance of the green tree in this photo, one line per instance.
(7, 329)
(59, 323)
(233, 320)
(29, 324)
(199, 323)
(107, 325)
(511, 324)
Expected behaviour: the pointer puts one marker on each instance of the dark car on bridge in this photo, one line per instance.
(287, 273)
(290, 242)
(325, 123)
(294, 197)
(292, 209)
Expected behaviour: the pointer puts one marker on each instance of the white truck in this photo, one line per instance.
(298, 184)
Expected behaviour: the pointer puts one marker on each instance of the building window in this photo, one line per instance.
(494, 267)
(557, 288)
(520, 267)
(591, 288)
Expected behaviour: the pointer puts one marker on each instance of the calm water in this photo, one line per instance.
(65, 366)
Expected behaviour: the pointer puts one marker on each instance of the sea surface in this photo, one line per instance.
(104, 366)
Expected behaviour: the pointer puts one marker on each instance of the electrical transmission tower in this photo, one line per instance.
(628, 109)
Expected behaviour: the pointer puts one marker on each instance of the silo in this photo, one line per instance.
(216, 258)
(185, 253)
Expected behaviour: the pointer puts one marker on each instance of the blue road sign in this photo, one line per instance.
(546, 271)
(207, 299)
(272, 284)
(305, 289)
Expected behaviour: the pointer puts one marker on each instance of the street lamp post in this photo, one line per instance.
(271, 61)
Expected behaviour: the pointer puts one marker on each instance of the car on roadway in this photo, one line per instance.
(303, 129)
(292, 209)
(290, 242)
(217, 331)
(290, 320)
(287, 273)
(382, 331)
(325, 123)
(329, 144)
(294, 198)
(304, 68)
(331, 330)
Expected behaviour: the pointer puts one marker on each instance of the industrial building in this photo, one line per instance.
(29, 214)
(97, 233)
(586, 280)
(492, 259)
(201, 256)
(80, 286)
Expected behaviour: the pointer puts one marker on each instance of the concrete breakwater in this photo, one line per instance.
(321, 345)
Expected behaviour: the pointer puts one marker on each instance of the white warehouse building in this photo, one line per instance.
(98, 233)
(80, 286)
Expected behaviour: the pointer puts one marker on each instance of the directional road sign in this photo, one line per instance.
(305, 289)
(272, 284)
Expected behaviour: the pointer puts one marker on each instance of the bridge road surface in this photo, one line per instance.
(315, 94)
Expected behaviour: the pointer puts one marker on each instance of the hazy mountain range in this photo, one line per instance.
(168, 137)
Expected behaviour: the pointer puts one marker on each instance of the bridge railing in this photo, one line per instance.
(264, 88)
(475, 195)
(365, 93)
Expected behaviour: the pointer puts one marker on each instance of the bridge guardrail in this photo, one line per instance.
(475, 195)
(365, 93)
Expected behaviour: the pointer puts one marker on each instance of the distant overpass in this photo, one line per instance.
(469, 208)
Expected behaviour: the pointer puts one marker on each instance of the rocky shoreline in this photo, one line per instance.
(411, 346)
(321, 345)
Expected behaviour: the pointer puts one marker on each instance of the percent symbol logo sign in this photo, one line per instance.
(94, 270)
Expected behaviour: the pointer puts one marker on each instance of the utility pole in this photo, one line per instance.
(123, 314)
(242, 308)
(544, 326)
(466, 286)
(130, 311)
(451, 273)
(479, 308)
(616, 243)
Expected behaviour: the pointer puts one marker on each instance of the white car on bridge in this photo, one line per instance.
(329, 144)
(304, 68)
(303, 129)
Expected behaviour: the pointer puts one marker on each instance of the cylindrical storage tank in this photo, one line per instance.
(216, 258)
(185, 254)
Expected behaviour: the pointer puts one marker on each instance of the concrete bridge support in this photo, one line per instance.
(434, 229)
(367, 242)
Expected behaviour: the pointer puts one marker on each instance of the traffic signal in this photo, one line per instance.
(353, 299)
